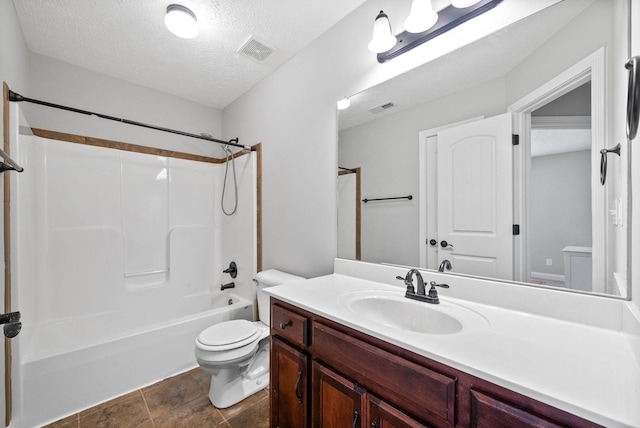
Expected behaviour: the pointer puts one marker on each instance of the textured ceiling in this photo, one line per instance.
(127, 39)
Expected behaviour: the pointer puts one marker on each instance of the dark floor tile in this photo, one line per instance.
(196, 413)
(201, 377)
(245, 404)
(68, 422)
(256, 416)
(132, 395)
(129, 412)
(172, 393)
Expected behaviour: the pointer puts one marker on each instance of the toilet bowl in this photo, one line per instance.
(236, 352)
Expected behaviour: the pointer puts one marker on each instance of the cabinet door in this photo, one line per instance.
(337, 402)
(289, 381)
(383, 415)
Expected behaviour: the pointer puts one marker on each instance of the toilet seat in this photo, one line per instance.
(228, 335)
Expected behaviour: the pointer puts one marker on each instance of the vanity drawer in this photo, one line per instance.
(289, 325)
(490, 412)
(425, 394)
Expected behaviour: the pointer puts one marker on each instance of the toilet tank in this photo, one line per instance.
(269, 278)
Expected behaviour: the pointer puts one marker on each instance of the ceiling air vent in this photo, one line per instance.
(255, 49)
(382, 107)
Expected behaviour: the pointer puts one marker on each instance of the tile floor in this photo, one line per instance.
(179, 401)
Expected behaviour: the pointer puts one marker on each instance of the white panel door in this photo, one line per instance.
(475, 197)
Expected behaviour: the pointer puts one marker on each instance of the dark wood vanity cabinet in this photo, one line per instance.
(289, 391)
(326, 375)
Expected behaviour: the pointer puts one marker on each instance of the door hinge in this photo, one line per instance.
(12, 324)
(515, 139)
(516, 229)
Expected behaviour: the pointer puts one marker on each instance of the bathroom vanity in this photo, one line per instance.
(347, 351)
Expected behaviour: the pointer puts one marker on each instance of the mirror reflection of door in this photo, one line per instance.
(464, 200)
(561, 189)
(474, 197)
(349, 216)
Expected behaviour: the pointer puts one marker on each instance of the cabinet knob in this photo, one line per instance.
(284, 325)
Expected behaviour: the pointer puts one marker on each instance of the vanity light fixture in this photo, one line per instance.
(382, 39)
(463, 3)
(422, 25)
(344, 103)
(181, 21)
(421, 18)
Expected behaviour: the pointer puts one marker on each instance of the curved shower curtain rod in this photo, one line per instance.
(15, 97)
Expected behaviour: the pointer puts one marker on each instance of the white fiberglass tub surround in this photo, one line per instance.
(118, 261)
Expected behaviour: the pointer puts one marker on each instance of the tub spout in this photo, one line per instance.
(229, 285)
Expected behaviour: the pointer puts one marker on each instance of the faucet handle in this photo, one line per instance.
(433, 284)
(410, 288)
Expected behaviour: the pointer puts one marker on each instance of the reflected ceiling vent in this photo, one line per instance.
(255, 49)
(382, 107)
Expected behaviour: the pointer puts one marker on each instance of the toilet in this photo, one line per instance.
(236, 352)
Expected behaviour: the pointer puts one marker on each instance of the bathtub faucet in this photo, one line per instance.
(229, 285)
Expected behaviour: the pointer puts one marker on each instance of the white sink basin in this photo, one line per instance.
(394, 310)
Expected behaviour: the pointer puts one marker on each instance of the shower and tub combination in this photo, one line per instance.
(118, 261)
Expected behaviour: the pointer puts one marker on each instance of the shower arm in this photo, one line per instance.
(15, 97)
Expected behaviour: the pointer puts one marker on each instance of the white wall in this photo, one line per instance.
(14, 56)
(560, 207)
(61, 83)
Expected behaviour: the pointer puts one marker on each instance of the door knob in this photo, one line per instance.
(445, 244)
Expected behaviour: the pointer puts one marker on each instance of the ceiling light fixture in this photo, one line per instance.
(344, 103)
(422, 25)
(181, 21)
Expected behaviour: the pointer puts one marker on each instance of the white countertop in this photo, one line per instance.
(585, 370)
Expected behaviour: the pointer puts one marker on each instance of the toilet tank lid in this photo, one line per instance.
(275, 277)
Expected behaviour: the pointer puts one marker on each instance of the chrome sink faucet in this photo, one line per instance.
(446, 264)
(421, 294)
(408, 281)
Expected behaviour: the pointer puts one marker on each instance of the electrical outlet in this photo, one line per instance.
(549, 262)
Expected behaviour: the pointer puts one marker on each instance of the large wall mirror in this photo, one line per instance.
(431, 176)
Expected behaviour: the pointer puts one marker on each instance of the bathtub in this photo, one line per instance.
(68, 367)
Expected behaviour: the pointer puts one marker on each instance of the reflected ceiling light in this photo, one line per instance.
(463, 3)
(344, 103)
(421, 18)
(422, 25)
(181, 21)
(382, 39)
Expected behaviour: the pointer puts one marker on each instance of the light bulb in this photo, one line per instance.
(463, 3)
(421, 18)
(344, 103)
(181, 21)
(382, 39)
